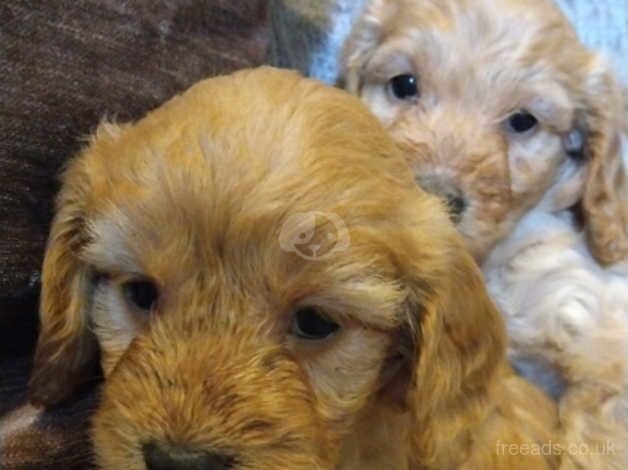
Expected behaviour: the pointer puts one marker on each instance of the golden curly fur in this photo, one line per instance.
(195, 198)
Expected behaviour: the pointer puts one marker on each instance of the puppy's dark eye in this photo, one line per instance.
(404, 86)
(310, 323)
(522, 121)
(141, 293)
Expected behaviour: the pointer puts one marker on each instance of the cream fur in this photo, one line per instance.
(567, 319)
(551, 230)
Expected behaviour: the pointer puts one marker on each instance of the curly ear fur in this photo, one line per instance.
(456, 385)
(459, 347)
(605, 196)
(66, 350)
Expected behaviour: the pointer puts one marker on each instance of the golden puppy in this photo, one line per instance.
(495, 102)
(268, 289)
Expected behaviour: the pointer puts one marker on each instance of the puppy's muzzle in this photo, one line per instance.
(191, 393)
(444, 188)
(159, 457)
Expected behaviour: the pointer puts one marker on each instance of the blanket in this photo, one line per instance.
(36, 439)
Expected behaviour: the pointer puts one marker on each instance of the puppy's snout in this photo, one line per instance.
(449, 192)
(159, 457)
(199, 388)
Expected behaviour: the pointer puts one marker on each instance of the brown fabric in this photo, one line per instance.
(65, 64)
(35, 439)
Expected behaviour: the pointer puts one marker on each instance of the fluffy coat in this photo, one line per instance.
(545, 209)
(204, 199)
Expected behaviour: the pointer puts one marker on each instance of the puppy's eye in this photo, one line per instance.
(522, 121)
(141, 293)
(404, 86)
(309, 323)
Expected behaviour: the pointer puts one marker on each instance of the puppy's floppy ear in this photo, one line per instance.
(605, 196)
(66, 350)
(362, 42)
(457, 350)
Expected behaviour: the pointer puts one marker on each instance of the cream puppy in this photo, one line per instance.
(501, 111)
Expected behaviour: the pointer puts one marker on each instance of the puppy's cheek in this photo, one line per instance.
(110, 356)
(533, 163)
(345, 376)
(483, 224)
(114, 326)
(377, 100)
(478, 235)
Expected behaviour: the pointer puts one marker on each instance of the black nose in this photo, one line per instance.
(444, 188)
(172, 458)
(456, 203)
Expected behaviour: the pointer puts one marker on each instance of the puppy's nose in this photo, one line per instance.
(444, 188)
(456, 203)
(162, 458)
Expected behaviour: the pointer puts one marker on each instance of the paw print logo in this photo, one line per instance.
(298, 235)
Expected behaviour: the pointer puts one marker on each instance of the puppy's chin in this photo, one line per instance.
(481, 237)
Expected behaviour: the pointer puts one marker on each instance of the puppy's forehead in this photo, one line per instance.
(255, 123)
(474, 15)
(216, 174)
(491, 54)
